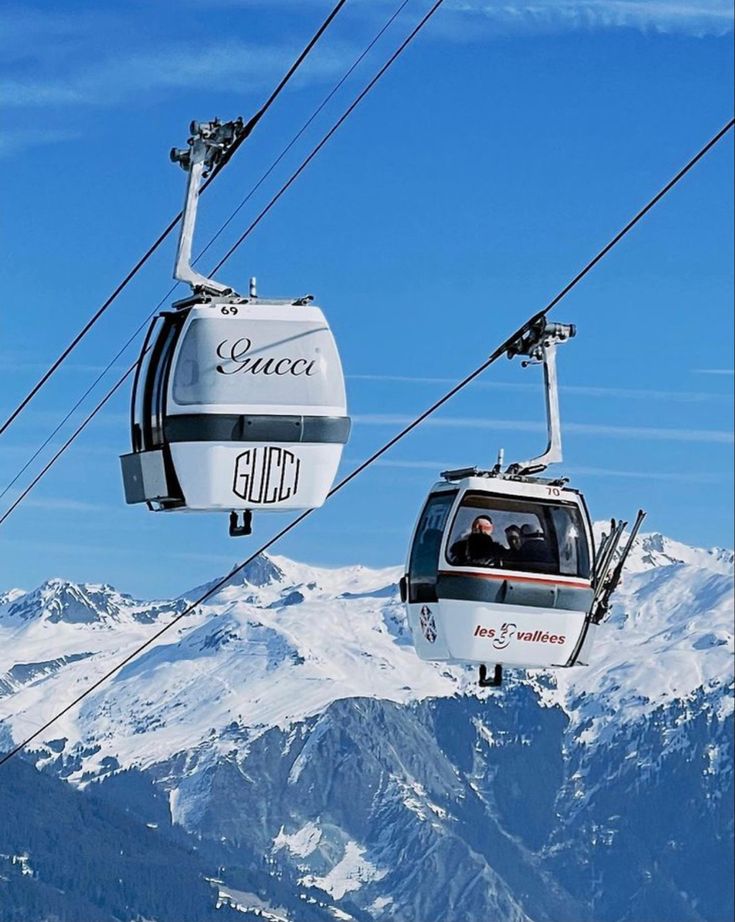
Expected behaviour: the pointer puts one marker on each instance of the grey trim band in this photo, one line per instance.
(510, 592)
(233, 427)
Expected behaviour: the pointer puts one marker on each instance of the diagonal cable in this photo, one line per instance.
(358, 60)
(77, 432)
(554, 301)
(499, 351)
(345, 115)
(172, 224)
(252, 226)
(211, 241)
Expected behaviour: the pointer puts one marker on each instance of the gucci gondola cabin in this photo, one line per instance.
(238, 401)
(502, 568)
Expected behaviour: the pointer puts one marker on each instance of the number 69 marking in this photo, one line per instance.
(228, 309)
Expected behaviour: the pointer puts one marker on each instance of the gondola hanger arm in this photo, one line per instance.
(208, 147)
(538, 342)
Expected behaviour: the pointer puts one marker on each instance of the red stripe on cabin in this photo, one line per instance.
(575, 584)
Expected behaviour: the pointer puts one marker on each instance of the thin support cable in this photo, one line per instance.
(552, 303)
(78, 431)
(172, 224)
(345, 115)
(358, 60)
(78, 403)
(499, 351)
(211, 241)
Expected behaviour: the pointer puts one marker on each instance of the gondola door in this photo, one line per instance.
(148, 472)
(423, 566)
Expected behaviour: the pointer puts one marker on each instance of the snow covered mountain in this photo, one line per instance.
(288, 722)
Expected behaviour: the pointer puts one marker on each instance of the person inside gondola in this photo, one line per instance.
(513, 537)
(478, 548)
(534, 548)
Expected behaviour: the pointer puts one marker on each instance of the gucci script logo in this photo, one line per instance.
(235, 354)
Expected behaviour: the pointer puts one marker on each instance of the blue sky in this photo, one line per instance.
(506, 145)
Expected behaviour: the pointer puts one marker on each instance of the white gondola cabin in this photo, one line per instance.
(502, 566)
(238, 402)
(243, 410)
(500, 571)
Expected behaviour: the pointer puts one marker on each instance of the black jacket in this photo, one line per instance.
(477, 550)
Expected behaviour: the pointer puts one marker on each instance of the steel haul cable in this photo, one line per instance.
(232, 249)
(174, 221)
(205, 249)
(391, 19)
(70, 413)
(348, 111)
(499, 351)
(600, 255)
(72, 438)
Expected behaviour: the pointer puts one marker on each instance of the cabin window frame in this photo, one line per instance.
(585, 545)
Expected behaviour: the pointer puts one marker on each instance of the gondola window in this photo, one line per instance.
(549, 536)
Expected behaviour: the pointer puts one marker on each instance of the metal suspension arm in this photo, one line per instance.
(540, 344)
(208, 146)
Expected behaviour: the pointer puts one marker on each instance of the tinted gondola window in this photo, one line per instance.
(250, 361)
(517, 534)
(424, 562)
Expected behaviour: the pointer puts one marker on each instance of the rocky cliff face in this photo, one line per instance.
(288, 730)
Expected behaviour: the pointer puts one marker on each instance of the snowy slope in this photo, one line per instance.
(277, 646)
(670, 634)
(286, 640)
(289, 721)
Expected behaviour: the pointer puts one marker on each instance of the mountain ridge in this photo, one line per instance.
(288, 638)
(288, 729)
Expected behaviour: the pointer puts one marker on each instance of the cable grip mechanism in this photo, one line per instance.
(210, 141)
